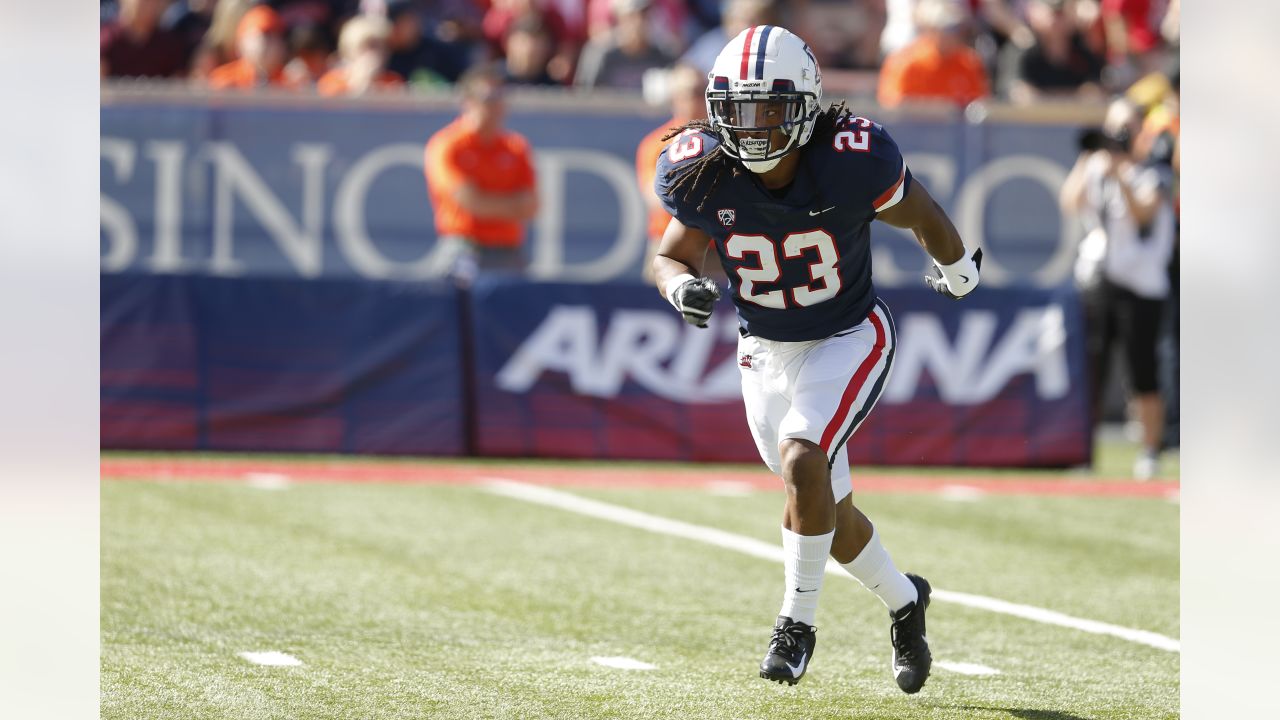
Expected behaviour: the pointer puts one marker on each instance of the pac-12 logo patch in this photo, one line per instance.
(727, 216)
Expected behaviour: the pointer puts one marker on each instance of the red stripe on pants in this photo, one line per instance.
(855, 386)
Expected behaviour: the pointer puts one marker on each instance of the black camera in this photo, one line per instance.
(1095, 138)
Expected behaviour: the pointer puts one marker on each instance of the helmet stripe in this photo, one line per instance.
(746, 52)
(764, 42)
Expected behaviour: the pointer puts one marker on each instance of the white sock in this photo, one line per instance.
(875, 569)
(805, 567)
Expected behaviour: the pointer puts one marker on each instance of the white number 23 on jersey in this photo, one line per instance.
(822, 271)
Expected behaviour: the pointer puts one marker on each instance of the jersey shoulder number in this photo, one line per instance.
(865, 151)
(675, 159)
(686, 146)
(853, 134)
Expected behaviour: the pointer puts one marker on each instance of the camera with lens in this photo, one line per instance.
(1096, 138)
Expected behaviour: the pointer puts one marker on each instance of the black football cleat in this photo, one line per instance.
(790, 650)
(911, 657)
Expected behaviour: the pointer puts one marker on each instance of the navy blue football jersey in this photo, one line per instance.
(798, 260)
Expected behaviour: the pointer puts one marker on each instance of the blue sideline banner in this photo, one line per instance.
(271, 364)
(593, 371)
(234, 191)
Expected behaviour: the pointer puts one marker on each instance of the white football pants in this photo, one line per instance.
(817, 390)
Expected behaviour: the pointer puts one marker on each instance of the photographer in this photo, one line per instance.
(1125, 204)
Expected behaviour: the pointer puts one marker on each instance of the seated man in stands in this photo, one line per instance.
(263, 53)
(363, 68)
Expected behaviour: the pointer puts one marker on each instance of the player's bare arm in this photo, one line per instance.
(677, 267)
(921, 214)
(681, 251)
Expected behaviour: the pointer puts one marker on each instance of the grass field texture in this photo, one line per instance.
(446, 600)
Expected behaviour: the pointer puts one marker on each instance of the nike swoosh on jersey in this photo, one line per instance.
(819, 212)
(798, 671)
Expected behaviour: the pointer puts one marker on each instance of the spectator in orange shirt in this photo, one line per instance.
(362, 46)
(481, 181)
(937, 65)
(260, 40)
(688, 102)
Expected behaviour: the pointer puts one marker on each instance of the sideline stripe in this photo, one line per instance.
(768, 551)
(355, 470)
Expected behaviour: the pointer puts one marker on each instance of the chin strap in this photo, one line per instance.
(762, 166)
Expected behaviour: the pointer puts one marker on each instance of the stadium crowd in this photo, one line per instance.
(1018, 51)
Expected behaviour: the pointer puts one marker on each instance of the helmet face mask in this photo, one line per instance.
(764, 82)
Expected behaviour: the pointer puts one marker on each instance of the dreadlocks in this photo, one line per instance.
(690, 177)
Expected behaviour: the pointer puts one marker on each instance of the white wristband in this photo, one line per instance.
(961, 275)
(675, 283)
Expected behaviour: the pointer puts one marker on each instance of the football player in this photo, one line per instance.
(786, 192)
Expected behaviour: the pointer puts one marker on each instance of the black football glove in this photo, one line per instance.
(938, 283)
(696, 299)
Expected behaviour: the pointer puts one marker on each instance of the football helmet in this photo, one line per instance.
(765, 78)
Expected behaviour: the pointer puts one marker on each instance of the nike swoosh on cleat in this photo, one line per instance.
(964, 278)
(806, 591)
(819, 212)
(797, 671)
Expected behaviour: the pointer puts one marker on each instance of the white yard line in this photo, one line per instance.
(266, 481)
(967, 668)
(1049, 617)
(623, 663)
(271, 657)
(961, 493)
(768, 551)
(730, 488)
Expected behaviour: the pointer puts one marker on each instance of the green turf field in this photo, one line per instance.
(447, 601)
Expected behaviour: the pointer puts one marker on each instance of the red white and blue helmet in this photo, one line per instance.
(763, 64)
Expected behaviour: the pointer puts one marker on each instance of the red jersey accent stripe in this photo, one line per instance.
(884, 198)
(746, 52)
(855, 386)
